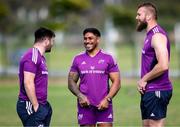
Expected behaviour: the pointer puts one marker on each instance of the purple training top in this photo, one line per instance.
(94, 74)
(34, 62)
(149, 60)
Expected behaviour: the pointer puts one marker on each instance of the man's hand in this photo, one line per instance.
(35, 107)
(141, 86)
(103, 104)
(83, 100)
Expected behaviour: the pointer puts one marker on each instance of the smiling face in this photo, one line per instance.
(91, 42)
(141, 19)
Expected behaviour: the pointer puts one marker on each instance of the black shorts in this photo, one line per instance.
(31, 118)
(154, 104)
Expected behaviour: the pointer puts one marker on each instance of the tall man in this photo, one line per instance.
(32, 106)
(94, 68)
(154, 85)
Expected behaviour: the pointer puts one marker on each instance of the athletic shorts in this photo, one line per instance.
(91, 115)
(29, 117)
(154, 104)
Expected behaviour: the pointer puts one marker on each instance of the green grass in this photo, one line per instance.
(126, 105)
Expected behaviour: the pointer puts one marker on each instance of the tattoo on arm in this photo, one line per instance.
(72, 83)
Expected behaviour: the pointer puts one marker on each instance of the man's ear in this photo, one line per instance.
(98, 39)
(148, 16)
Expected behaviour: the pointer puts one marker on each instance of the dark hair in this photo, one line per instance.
(95, 31)
(151, 7)
(42, 32)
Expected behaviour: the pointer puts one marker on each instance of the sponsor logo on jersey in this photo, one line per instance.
(92, 72)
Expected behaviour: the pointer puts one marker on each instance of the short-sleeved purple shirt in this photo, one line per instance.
(34, 62)
(94, 74)
(149, 60)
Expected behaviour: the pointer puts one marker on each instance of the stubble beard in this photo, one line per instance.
(91, 49)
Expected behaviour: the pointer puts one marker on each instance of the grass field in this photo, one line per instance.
(126, 104)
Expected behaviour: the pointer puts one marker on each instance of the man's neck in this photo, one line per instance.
(151, 25)
(94, 52)
(40, 48)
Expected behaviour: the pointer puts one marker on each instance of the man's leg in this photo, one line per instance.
(154, 108)
(145, 123)
(105, 117)
(157, 123)
(153, 123)
(48, 117)
(86, 116)
(22, 111)
(104, 124)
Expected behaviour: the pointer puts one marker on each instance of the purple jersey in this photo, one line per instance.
(149, 60)
(94, 74)
(34, 62)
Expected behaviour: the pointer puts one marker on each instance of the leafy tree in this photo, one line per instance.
(69, 12)
(12, 25)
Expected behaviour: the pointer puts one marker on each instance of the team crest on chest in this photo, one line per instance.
(101, 61)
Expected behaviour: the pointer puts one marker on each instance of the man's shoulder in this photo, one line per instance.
(81, 54)
(158, 29)
(106, 54)
(31, 55)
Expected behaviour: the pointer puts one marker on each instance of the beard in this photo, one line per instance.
(48, 50)
(141, 26)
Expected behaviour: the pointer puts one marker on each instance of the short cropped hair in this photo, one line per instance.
(95, 31)
(151, 8)
(42, 32)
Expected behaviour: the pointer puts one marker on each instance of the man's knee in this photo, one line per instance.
(156, 123)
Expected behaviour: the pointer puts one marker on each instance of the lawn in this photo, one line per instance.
(126, 104)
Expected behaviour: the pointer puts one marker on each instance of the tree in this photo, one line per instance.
(69, 12)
